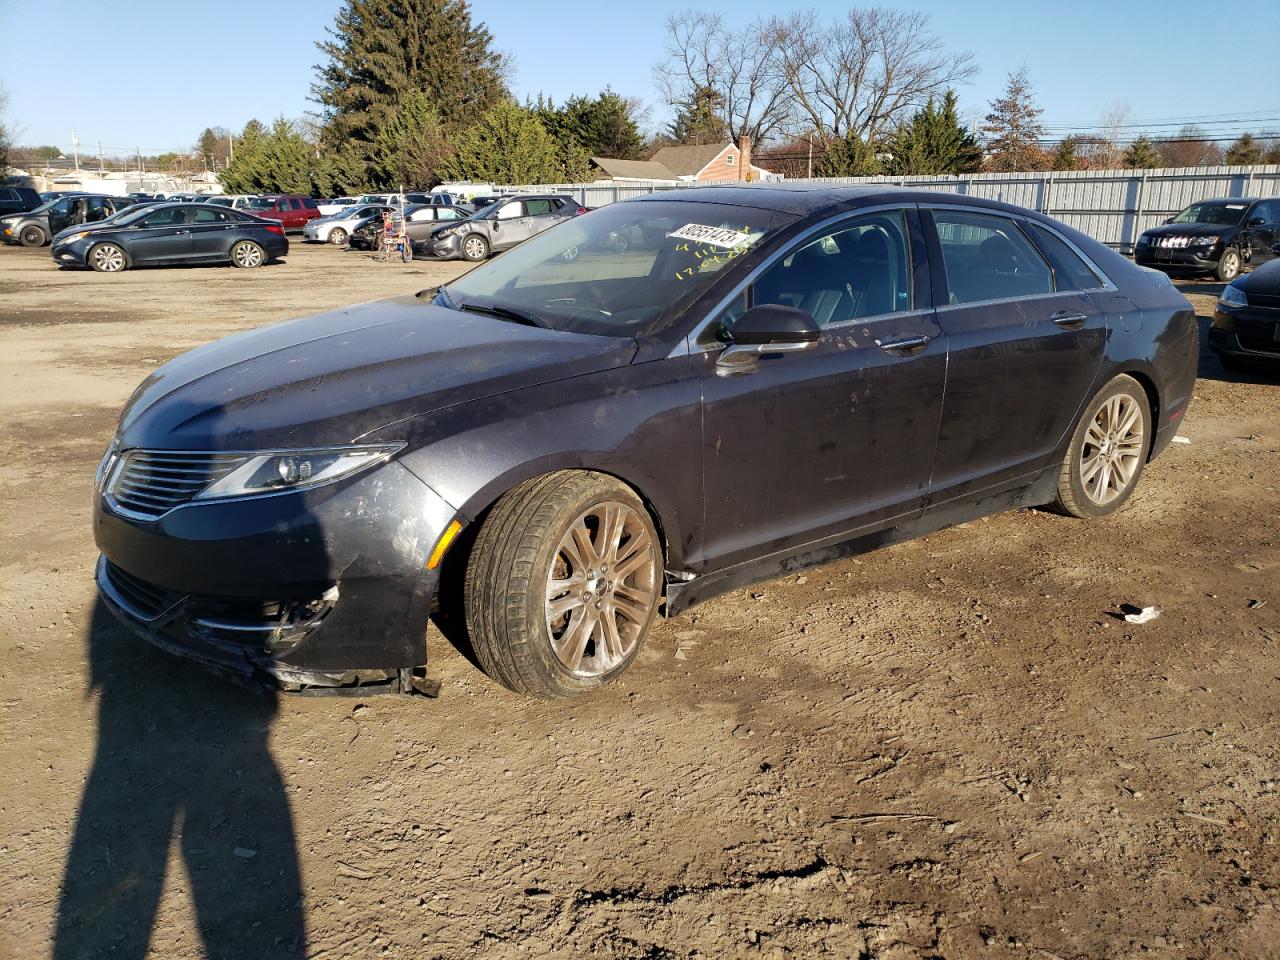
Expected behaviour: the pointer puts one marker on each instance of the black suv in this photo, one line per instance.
(1213, 236)
(18, 200)
(37, 227)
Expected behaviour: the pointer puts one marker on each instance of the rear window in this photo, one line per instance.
(989, 258)
(308, 203)
(1070, 272)
(211, 215)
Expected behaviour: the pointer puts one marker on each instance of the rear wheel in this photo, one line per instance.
(247, 254)
(107, 258)
(475, 247)
(1107, 452)
(32, 236)
(562, 584)
(1228, 265)
(337, 236)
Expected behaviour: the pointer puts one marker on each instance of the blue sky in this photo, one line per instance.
(154, 73)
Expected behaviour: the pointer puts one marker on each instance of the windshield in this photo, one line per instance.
(261, 203)
(619, 269)
(1224, 214)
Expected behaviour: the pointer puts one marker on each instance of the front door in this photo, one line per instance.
(1263, 225)
(511, 225)
(838, 438)
(161, 236)
(1024, 349)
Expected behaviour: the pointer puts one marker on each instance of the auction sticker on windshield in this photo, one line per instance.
(715, 236)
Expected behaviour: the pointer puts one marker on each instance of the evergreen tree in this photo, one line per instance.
(381, 51)
(934, 143)
(278, 160)
(1142, 154)
(508, 144)
(207, 146)
(1244, 152)
(1067, 155)
(1013, 128)
(849, 156)
(411, 148)
(700, 119)
(605, 126)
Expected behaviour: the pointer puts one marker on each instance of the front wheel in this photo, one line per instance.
(107, 258)
(475, 247)
(246, 254)
(337, 236)
(32, 236)
(562, 584)
(1228, 265)
(1107, 452)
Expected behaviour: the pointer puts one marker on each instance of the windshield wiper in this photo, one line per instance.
(504, 313)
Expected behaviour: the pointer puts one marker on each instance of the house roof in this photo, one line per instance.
(633, 169)
(688, 160)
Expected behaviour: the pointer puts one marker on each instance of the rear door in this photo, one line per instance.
(1025, 346)
(839, 438)
(211, 228)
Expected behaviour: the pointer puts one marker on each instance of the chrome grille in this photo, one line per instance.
(151, 482)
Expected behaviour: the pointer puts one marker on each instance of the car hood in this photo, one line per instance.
(1263, 281)
(1191, 230)
(84, 228)
(336, 376)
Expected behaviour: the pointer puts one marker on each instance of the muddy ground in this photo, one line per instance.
(949, 748)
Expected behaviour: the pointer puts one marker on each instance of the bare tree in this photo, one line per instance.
(1106, 150)
(856, 76)
(1190, 147)
(742, 67)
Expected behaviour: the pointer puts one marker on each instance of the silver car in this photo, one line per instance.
(500, 226)
(337, 227)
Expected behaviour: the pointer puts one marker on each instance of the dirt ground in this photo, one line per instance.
(949, 748)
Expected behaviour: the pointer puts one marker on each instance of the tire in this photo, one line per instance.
(1108, 451)
(406, 252)
(337, 236)
(474, 248)
(247, 254)
(1228, 265)
(107, 258)
(538, 625)
(32, 236)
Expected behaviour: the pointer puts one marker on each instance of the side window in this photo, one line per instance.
(1269, 212)
(99, 209)
(538, 208)
(295, 204)
(308, 203)
(861, 268)
(165, 218)
(211, 215)
(7, 195)
(511, 210)
(988, 258)
(1070, 272)
(447, 213)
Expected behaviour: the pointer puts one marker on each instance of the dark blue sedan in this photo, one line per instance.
(171, 233)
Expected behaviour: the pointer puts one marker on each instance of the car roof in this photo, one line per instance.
(1241, 200)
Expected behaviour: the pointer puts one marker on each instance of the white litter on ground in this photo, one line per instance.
(1145, 615)
(1181, 439)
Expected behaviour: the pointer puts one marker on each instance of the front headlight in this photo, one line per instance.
(1143, 240)
(73, 237)
(1233, 296)
(287, 470)
(1203, 241)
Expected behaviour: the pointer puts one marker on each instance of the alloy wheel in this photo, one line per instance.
(1230, 265)
(1112, 450)
(337, 236)
(601, 589)
(108, 258)
(474, 248)
(247, 254)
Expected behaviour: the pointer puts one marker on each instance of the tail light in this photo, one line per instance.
(581, 211)
(275, 228)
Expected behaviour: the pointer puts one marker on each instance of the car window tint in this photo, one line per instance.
(165, 218)
(1070, 271)
(447, 213)
(859, 269)
(308, 203)
(988, 258)
(1269, 211)
(208, 215)
(537, 208)
(511, 211)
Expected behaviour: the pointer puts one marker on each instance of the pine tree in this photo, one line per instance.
(1142, 154)
(849, 156)
(381, 51)
(411, 148)
(207, 147)
(1013, 128)
(1244, 152)
(508, 144)
(1067, 155)
(933, 142)
(700, 119)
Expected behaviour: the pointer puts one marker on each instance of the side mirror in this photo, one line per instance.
(1256, 222)
(768, 328)
(1169, 220)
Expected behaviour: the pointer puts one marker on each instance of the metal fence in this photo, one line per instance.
(1113, 206)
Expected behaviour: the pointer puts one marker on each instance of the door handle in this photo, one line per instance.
(1069, 318)
(903, 344)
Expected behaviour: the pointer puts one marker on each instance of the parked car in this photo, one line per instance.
(424, 219)
(172, 233)
(36, 227)
(18, 200)
(292, 210)
(328, 208)
(337, 228)
(550, 452)
(1217, 237)
(236, 201)
(499, 226)
(1246, 324)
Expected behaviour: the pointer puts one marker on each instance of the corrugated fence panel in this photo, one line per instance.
(1113, 206)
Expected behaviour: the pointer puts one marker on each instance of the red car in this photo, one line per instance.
(292, 210)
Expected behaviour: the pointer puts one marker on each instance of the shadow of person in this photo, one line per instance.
(182, 756)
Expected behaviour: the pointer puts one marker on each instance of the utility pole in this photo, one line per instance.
(138, 151)
(101, 168)
(810, 139)
(75, 150)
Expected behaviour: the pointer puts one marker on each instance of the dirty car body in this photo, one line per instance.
(280, 504)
